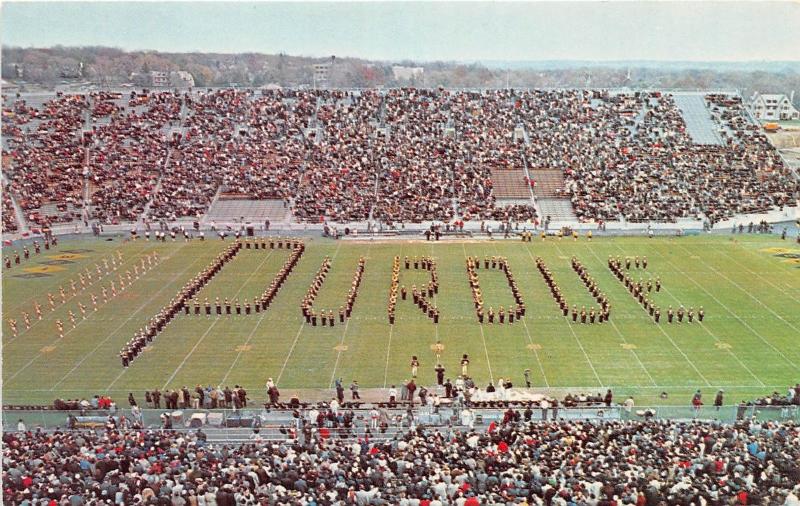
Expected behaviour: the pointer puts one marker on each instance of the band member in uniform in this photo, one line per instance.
(700, 314)
(196, 307)
(644, 263)
(583, 314)
(208, 307)
(592, 315)
(658, 284)
(238, 307)
(227, 306)
(82, 309)
(60, 328)
(690, 314)
(574, 314)
(12, 323)
(26, 319)
(670, 314)
(657, 314)
(414, 366)
(331, 319)
(403, 291)
(681, 312)
(501, 315)
(342, 314)
(247, 308)
(490, 314)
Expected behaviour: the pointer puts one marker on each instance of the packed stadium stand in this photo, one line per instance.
(514, 462)
(399, 155)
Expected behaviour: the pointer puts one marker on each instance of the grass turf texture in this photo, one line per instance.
(747, 345)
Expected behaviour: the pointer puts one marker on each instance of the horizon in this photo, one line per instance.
(473, 32)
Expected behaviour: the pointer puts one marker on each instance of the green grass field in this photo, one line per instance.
(749, 343)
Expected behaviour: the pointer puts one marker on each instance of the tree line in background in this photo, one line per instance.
(109, 66)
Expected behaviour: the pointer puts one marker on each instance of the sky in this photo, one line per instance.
(421, 31)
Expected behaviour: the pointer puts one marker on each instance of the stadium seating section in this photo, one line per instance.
(399, 155)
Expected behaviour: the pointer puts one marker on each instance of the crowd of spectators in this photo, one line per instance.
(400, 155)
(556, 462)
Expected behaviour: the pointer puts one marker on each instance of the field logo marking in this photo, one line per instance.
(43, 269)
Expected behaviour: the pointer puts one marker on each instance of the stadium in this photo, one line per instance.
(397, 295)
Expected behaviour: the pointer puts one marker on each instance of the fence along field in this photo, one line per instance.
(748, 288)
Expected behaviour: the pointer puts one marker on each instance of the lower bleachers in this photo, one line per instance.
(226, 210)
(510, 184)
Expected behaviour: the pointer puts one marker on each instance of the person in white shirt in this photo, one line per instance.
(628, 404)
(21, 426)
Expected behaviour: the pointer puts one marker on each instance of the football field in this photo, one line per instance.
(748, 344)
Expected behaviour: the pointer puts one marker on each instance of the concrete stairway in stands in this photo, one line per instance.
(510, 184)
(556, 209)
(549, 193)
(549, 183)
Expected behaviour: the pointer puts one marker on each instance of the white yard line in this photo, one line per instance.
(574, 335)
(614, 325)
(294, 343)
(762, 278)
(536, 354)
(734, 283)
(339, 353)
(716, 339)
(388, 348)
(252, 332)
(186, 358)
(391, 331)
(530, 341)
(40, 354)
(150, 299)
(726, 308)
(669, 338)
(346, 323)
(483, 336)
(47, 316)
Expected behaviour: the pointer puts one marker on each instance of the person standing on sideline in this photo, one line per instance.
(718, 399)
(339, 390)
(354, 390)
(464, 364)
(439, 374)
(609, 397)
(528, 378)
(414, 366)
(697, 402)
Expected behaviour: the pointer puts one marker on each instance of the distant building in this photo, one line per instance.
(181, 79)
(159, 79)
(407, 73)
(71, 71)
(322, 73)
(774, 107)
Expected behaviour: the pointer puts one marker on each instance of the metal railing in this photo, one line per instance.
(275, 422)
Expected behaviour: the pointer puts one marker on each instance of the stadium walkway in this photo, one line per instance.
(699, 125)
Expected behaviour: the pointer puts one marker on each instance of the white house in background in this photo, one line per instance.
(181, 79)
(407, 73)
(774, 107)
